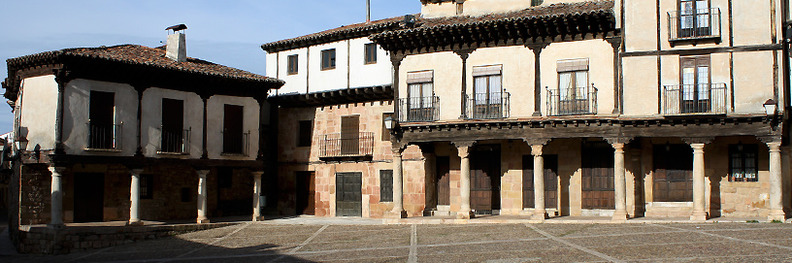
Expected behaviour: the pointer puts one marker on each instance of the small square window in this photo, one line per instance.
(743, 163)
(292, 64)
(386, 185)
(371, 53)
(328, 59)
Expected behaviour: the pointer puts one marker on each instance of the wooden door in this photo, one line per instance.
(306, 193)
(350, 135)
(673, 173)
(550, 179)
(485, 166)
(443, 164)
(597, 179)
(88, 197)
(233, 129)
(101, 114)
(172, 126)
(349, 198)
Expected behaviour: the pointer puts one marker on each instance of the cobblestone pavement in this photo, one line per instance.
(499, 243)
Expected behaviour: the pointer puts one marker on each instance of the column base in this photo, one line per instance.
(396, 215)
(257, 218)
(465, 215)
(134, 223)
(539, 217)
(202, 221)
(620, 216)
(698, 216)
(776, 215)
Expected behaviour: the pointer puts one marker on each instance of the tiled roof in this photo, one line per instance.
(335, 34)
(540, 12)
(139, 55)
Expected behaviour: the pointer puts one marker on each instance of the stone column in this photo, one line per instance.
(537, 50)
(398, 185)
(540, 213)
(56, 197)
(134, 198)
(776, 183)
(257, 195)
(202, 197)
(619, 182)
(699, 213)
(463, 149)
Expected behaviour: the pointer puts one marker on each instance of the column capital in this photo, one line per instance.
(537, 149)
(622, 140)
(56, 170)
(396, 58)
(772, 139)
(202, 173)
(536, 141)
(398, 148)
(464, 53)
(257, 173)
(537, 47)
(614, 41)
(463, 148)
(698, 140)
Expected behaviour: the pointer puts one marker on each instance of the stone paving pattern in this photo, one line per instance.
(497, 243)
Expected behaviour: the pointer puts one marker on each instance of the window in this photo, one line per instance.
(386, 185)
(695, 79)
(386, 132)
(146, 186)
(487, 101)
(173, 134)
(573, 87)
(233, 129)
(743, 163)
(305, 133)
(102, 131)
(328, 59)
(536, 2)
(694, 18)
(292, 64)
(371, 53)
(420, 93)
(225, 177)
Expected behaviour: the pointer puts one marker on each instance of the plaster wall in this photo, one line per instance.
(641, 93)
(152, 120)
(329, 79)
(600, 56)
(447, 68)
(295, 82)
(367, 75)
(518, 75)
(482, 7)
(39, 103)
(75, 116)
(250, 125)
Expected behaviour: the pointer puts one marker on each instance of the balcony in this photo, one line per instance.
(692, 26)
(487, 105)
(236, 144)
(347, 145)
(572, 101)
(705, 98)
(419, 109)
(104, 137)
(174, 142)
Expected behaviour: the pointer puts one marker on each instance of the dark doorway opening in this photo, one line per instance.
(485, 181)
(673, 173)
(597, 179)
(88, 197)
(550, 179)
(306, 193)
(349, 198)
(443, 172)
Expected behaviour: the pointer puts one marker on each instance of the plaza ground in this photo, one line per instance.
(360, 240)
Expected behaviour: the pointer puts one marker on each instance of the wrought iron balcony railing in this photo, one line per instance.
(493, 105)
(701, 24)
(236, 145)
(174, 142)
(347, 145)
(104, 136)
(572, 101)
(416, 109)
(705, 98)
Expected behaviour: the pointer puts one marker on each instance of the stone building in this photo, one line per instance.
(623, 109)
(131, 133)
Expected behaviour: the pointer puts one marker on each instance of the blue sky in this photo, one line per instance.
(224, 32)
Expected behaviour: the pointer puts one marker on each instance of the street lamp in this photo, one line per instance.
(770, 107)
(390, 123)
(21, 143)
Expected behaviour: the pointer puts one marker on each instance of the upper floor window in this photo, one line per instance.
(743, 163)
(328, 59)
(304, 133)
(291, 62)
(574, 94)
(694, 20)
(103, 132)
(174, 136)
(421, 102)
(371, 53)
(695, 93)
(233, 134)
(488, 96)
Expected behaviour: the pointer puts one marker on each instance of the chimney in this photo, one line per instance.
(368, 11)
(176, 48)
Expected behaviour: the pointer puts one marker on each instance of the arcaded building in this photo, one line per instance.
(619, 109)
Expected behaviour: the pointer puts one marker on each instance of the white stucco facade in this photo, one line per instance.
(37, 118)
(152, 120)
